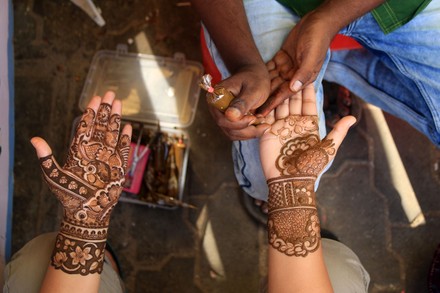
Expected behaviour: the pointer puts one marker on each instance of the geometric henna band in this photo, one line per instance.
(293, 223)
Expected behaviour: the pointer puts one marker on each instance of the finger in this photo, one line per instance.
(127, 130)
(88, 118)
(340, 131)
(295, 103)
(302, 78)
(270, 118)
(245, 121)
(277, 97)
(270, 65)
(281, 59)
(237, 108)
(94, 103)
(42, 148)
(116, 107)
(305, 74)
(273, 74)
(103, 118)
(124, 145)
(114, 124)
(275, 83)
(248, 132)
(282, 111)
(309, 101)
(108, 98)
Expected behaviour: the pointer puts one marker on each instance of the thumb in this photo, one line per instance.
(340, 130)
(236, 109)
(301, 78)
(41, 147)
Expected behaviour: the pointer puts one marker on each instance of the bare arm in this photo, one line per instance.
(292, 157)
(88, 187)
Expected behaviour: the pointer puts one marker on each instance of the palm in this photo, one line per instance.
(292, 146)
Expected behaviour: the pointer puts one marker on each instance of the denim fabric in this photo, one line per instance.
(270, 23)
(398, 72)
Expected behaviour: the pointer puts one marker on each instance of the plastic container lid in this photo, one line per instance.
(151, 88)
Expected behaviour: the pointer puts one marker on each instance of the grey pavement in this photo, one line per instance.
(217, 247)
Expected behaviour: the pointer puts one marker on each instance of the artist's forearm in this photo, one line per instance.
(339, 13)
(227, 24)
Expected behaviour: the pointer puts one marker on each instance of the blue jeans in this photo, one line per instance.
(399, 72)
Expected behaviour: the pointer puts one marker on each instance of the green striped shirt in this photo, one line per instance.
(390, 15)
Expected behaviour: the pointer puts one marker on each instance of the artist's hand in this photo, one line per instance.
(89, 184)
(299, 60)
(250, 86)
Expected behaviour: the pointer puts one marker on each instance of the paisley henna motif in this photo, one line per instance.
(88, 186)
(293, 223)
(304, 156)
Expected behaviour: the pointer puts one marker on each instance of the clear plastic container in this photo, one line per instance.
(153, 90)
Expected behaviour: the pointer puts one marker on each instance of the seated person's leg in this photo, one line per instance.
(399, 71)
(346, 271)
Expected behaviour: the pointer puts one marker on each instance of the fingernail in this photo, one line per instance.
(297, 86)
(265, 131)
(233, 111)
(251, 122)
(353, 122)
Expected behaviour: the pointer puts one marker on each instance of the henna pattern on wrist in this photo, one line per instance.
(76, 256)
(88, 186)
(293, 223)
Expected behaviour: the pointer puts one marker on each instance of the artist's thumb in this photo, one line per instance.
(236, 109)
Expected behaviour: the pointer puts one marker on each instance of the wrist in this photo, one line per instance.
(79, 250)
(293, 223)
(337, 14)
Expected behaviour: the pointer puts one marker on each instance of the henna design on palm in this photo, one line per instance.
(88, 186)
(293, 223)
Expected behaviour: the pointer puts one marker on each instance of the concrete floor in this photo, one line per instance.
(218, 247)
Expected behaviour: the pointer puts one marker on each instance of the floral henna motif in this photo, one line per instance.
(88, 186)
(77, 256)
(294, 125)
(293, 223)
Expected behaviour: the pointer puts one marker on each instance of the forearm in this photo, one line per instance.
(336, 14)
(296, 262)
(227, 24)
(57, 281)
